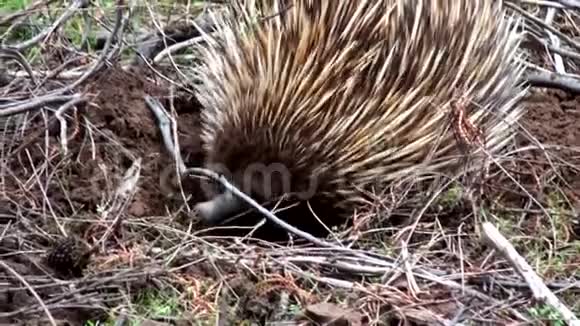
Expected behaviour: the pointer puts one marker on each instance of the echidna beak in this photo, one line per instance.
(219, 208)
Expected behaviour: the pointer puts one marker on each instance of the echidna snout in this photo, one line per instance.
(263, 178)
(219, 208)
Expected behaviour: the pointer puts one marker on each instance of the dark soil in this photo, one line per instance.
(118, 112)
(553, 118)
(122, 128)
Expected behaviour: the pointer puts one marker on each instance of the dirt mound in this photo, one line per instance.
(119, 107)
(124, 128)
(105, 137)
(553, 120)
(552, 117)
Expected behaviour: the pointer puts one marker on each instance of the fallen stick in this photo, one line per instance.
(539, 289)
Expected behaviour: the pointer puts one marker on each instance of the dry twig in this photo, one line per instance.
(539, 289)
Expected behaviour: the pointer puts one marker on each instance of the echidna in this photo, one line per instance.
(323, 100)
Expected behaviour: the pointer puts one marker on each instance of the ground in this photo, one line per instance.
(143, 256)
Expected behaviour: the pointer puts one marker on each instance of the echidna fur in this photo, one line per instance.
(351, 95)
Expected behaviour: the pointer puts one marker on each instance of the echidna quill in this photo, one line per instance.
(323, 100)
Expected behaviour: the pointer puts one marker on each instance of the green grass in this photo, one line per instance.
(20, 32)
(13, 5)
(535, 246)
(158, 304)
(150, 304)
(76, 26)
(546, 313)
(451, 196)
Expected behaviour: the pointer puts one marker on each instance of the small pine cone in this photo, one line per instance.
(69, 257)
